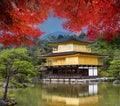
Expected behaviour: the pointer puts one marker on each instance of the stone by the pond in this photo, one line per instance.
(11, 102)
(25, 85)
(8, 102)
(116, 82)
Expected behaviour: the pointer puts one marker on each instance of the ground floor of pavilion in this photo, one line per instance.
(70, 72)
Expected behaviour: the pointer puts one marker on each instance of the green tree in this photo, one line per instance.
(111, 49)
(105, 48)
(14, 62)
(82, 35)
(114, 69)
(41, 47)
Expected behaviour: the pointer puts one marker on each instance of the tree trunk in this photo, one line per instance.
(6, 88)
(7, 81)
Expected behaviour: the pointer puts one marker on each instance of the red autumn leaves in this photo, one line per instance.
(18, 18)
(18, 21)
(102, 17)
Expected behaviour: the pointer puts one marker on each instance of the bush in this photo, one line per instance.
(1, 84)
(16, 84)
(104, 73)
(114, 69)
(0, 77)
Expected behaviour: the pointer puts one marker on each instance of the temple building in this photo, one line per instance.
(72, 58)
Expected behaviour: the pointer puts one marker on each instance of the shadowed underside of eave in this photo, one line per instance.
(72, 53)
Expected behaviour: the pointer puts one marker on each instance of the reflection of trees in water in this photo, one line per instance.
(67, 90)
(110, 95)
(28, 96)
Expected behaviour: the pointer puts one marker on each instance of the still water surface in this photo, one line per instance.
(94, 94)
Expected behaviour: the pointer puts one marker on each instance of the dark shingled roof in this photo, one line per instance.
(70, 53)
(70, 38)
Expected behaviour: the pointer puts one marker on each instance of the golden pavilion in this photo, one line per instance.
(72, 58)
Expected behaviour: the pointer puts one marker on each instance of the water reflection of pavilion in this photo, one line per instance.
(69, 95)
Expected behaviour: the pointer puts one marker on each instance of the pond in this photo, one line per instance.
(93, 94)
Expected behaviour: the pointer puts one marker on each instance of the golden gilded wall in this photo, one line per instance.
(59, 61)
(72, 47)
(75, 60)
(88, 60)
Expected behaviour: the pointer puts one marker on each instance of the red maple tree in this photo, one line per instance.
(18, 18)
(102, 17)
